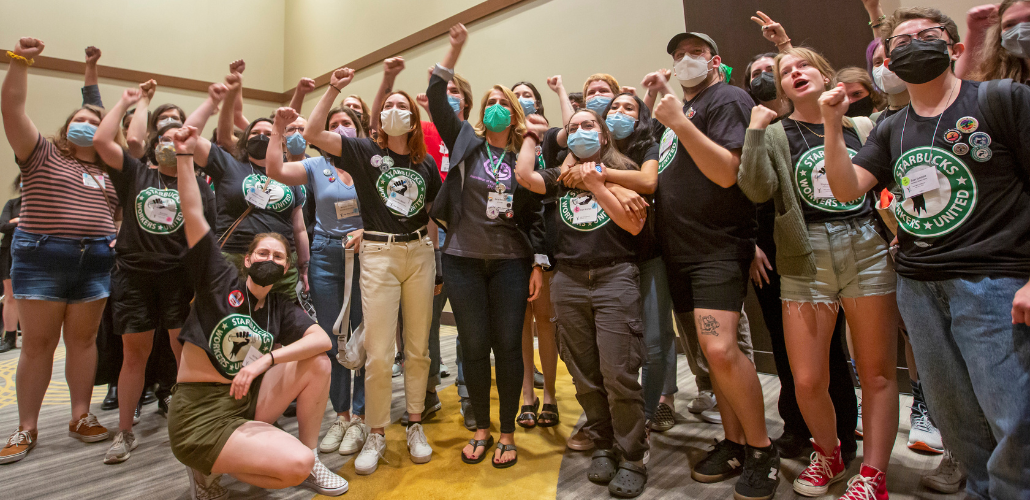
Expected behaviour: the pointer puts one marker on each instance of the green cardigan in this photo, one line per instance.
(765, 168)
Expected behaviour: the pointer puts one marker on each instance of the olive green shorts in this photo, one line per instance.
(201, 418)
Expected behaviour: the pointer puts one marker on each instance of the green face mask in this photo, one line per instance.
(497, 118)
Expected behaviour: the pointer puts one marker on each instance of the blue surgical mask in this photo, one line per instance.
(584, 143)
(528, 105)
(296, 144)
(454, 102)
(621, 124)
(81, 134)
(598, 104)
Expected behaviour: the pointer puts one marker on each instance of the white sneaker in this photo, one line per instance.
(354, 439)
(121, 448)
(712, 415)
(858, 427)
(323, 481)
(924, 436)
(398, 369)
(704, 401)
(418, 446)
(947, 477)
(205, 487)
(331, 441)
(368, 460)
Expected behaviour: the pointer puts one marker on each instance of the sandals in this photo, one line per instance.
(629, 482)
(484, 443)
(527, 415)
(602, 466)
(505, 448)
(548, 416)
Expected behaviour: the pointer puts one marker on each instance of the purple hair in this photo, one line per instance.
(869, 51)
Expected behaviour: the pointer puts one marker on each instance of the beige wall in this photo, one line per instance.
(956, 9)
(498, 52)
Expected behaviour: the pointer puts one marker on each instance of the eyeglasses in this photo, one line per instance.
(585, 125)
(268, 254)
(927, 35)
(294, 130)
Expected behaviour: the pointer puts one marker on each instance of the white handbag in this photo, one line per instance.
(351, 346)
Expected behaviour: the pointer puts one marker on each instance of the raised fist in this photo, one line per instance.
(341, 77)
(92, 55)
(237, 66)
(29, 47)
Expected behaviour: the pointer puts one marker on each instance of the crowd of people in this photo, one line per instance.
(282, 280)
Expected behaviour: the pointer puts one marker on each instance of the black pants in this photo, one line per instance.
(489, 302)
(601, 340)
(842, 389)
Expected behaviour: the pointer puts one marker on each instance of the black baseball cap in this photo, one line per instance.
(693, 34)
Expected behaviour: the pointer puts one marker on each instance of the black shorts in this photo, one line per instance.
(720, 285)
(144, 301)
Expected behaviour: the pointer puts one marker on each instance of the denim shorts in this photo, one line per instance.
(70, 270)
(851, 261)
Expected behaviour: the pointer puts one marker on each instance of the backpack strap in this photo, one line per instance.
(995, 100)
(862, 125)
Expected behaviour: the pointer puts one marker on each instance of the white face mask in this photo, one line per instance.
(395, 121)
(1017, 40)
(887, 80)
(166, 121)
(691, 71)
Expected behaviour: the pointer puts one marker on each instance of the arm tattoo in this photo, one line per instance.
(709, 326)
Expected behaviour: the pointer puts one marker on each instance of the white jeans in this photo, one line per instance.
(396, 276)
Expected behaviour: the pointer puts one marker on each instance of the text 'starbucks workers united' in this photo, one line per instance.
(233, 337)
(667, 149)
(280, 196)
(939, 211)
(403, 191)
(580, 211)
(157, 210)
(810, 178)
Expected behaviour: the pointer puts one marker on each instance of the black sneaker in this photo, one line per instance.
(138, 413)
(148, 396)
(725, 460)
(111, 400)
(432, 406)
(162, 406)
(466, 412)
(761, 475)
(7, 341)
(790, 445)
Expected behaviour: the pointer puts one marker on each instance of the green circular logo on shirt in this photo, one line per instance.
(667, 149)
(938, 211)
(810, 179)
(580, 211)
(403, 191)
(233, 337)
(280, 195)
(157, 210)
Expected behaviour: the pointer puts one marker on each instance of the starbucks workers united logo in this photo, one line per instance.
(233, 337)
(403, 191)
(667, 149)
(157, 210)
(280, 196)
(810, 178)
(938, 211)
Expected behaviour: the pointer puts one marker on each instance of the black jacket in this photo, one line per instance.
(11, 211)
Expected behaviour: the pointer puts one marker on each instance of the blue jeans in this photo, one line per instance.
(974, 366)
(489, 301)
(69, 270)
(659, 371)
(326, 277)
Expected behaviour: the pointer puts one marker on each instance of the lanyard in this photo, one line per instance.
(494, 167)
(901, 143)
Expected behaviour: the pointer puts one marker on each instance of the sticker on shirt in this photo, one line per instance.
(929, 211)
(667, 149)
(280, 196)
(580, 211)
(89, 181)
(233, 338)
(810, 179)
(403, 191)
(347, 208)
(157, 210)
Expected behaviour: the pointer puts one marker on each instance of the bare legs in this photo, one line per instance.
(136, 349)
(539, 309)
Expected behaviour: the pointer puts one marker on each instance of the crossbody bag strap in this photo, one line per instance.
(225, 237)
(103, 190)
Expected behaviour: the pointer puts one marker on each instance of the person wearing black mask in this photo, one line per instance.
(247, 201)
(959, 172)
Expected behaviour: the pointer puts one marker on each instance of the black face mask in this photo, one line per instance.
(861, 107)
(257, 147)
(763, 87)
(919, 61)
(266, 272)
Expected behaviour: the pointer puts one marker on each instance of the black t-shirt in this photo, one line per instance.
(547, 157)
(223, 321)
(393, 198)
(486, 230)
(151, 238)
(647, 239)
(970, 217)
(808, 156)
(887, 113)
(698, 220)
(586, 234)
(233, 180)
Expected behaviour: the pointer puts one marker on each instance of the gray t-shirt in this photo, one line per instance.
(478, 235)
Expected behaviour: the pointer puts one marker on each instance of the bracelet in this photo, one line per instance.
(532, 134)
(785, 42)
(183, 154)
(16, 57)
(273, 358)
(337, 88)
(879, 21)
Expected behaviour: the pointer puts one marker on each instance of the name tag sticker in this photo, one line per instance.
(585, 214)
(162, 214)
(88, 181)
(253, 354)
(258, 198)
(497, 203)
(822, 186)
(346, 208)
(920, 180)
(399, 202)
